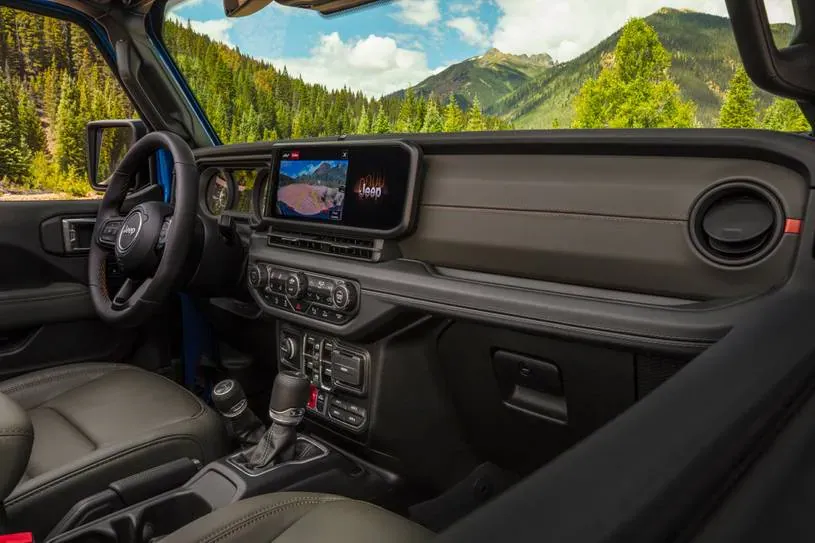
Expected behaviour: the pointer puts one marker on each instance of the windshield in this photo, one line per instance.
(472, 65)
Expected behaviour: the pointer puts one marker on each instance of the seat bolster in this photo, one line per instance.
(16, 438)
(34, 389)
(296, 517)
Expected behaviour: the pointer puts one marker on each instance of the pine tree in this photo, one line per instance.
(454, 120)
(475, 117)
(364, 124)
(12, 160)
(739, 108)
(381, 124)
(634, 89)
(32, 136)
(407, 113)
(433, 121)
(785, 116)
(70, 133)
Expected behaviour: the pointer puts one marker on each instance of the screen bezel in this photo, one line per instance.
(407, 218)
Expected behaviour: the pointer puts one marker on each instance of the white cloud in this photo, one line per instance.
(463, 8)
(567, 28)
(418, 12)
(375, 65)
(472, 31)
(216, 29)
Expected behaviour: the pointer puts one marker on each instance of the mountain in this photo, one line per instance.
(490, 77)
(329, 174)
(704, 52)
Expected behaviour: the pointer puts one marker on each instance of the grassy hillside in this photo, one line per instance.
(490, 77)
(704, 59)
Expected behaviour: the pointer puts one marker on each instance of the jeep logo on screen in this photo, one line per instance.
(130, 231)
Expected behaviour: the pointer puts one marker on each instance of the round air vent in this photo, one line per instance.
(736, 224)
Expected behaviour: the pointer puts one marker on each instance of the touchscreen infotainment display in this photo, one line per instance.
(311, 189)
(355, 186)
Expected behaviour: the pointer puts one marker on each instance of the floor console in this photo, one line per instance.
(339, 372)
(214, 486)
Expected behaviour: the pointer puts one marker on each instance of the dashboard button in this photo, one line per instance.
(297, 285)
(356, 410)
(336, 402)
(258, 276)
(338, 318)
(353, 420)
(313, 311)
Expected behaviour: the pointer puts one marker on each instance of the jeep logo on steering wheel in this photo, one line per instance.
(130, 231)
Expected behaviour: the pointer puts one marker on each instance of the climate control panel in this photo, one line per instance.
(323, 298)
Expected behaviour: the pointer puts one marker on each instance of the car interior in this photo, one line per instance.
(553, 335)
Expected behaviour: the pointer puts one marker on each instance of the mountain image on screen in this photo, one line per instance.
(312, 188)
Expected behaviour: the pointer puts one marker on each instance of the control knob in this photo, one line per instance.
(288, 349)
(296, 285)
(258, 275)
(344, 297)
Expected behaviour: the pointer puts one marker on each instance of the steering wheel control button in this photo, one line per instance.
(165, 230)
(130, 231)
(109, 232)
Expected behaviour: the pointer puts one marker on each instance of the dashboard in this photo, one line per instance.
(633, 238)
(549, 279)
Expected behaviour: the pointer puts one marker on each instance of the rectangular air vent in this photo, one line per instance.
(361, 249)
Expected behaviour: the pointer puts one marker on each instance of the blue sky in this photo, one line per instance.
(390, 46)
(296, 168)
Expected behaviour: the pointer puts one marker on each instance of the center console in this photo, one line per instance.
(339, 373)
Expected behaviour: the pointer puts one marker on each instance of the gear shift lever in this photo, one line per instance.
(242, 424)
(287, 407)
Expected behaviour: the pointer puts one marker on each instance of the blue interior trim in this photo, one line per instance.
(164, 167)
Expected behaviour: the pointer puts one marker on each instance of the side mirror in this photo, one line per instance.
(107, 144)
(786, 71)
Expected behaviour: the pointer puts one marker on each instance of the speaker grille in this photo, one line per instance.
(652, 372)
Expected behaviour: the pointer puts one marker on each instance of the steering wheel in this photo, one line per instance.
(151, 242)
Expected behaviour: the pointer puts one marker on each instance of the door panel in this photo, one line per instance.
(46, 314)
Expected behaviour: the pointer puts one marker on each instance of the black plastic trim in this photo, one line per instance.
(791, 150)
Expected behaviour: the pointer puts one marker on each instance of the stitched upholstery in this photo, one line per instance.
(288, 517)
(97, 423)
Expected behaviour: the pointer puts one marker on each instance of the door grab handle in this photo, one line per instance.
(70, 235)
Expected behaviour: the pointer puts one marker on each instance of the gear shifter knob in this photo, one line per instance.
(230, 401)
(290, 395)
(229, 398)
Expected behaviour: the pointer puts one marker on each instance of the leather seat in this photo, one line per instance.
(97, 423)
(287, 517)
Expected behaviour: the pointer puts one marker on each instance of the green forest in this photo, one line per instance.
(248, 100)
(53, 82)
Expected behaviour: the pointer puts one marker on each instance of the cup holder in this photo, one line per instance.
(163, 518)
(144, 523)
